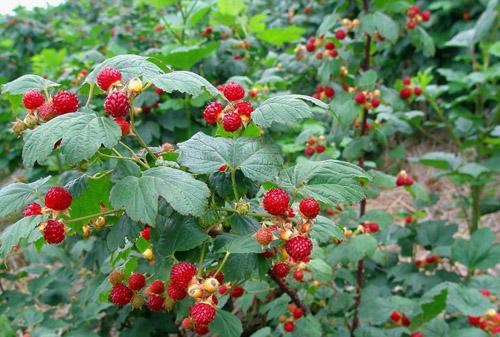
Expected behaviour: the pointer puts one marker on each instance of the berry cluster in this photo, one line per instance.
(314, 145)
(369, 227)
(407, 91)
(432, 260)
(369, 99)
(415, 17)
(403, 179)
(313, 45)
(490, 322)
(348, 26)
(399, 318)
(295, 313)
(234, 115)
(323, 92)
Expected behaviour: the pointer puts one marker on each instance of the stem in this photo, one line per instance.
(290, 292)
(233, 183)
(91, 93)
(137, 135)
(94, 215)
(475, 194)
(202, 257)
(257, 215)
(224, 260)
(187, 116)
(141, 162)
(441, 115)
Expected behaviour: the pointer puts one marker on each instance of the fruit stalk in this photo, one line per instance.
(290, 292)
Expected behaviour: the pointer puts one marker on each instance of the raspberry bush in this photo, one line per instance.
(214, 169)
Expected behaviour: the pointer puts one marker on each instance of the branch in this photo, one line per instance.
(290, 292)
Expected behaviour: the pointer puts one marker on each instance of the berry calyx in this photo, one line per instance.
(136, 281)
(33, 99)
(121, 294)
(202, 313)
(107, 77)
(157, 287)
(276, 201)
(281, 269)
(233, 91)
(211, 112)
(244, 108)
(182, 273)
(65, 102)
(117, 104)
(289, 326)
(123, 124)
(299, 247)
(32, 209)
(58, 198)
(155, 302)
(175, 293)
(231, 122)
(54, 232)
(309, 208)
(264, 236)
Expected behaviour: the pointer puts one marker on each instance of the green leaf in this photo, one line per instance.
(237, 244)
(264, 332)
(27, 82)
(309, 326)
(367, 79)
(436, 233)
(330, 181)
(185, 82)
(131, 66)
(81, 134)
(485, 22)
(226, 324)
(480, 252)
(386, 26)
(462, 39)
(440, 160)
(467, 301)
(422, 39)
(204, 154)
(285, 109)
(177, 233)
(257, 23)
(430, 309)
(357, 248)
(468, 332)
(185, 57)
(123, 229)
(325, 230)
(280, 35)
(231, 7)
(15, 197)
(22, 229)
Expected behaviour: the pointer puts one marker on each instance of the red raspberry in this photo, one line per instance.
(65, 102)
(182, 273)
(146, 233)
(220, 88)
(299, 247)
(417, 334)
(330, 45)
(426, 15)
(290, 214)
(219, 277)
(201, 330)
(222, 168)
(211, 112)
(360, 98)
(408, 219)
(47, 111)
(309, 208)
(494, 330)
(297, 313)
(431, 259)
(310, 47)
(32, 209)
(319, 88)
(333, 53)
(121, 294)
(157, 287)
(395, 316)
(231, 122)
(411, 24)
(408, 181)
(33, 99)
(123, 124)
(309, 151)
(400, 180)
(155, 302)
(264, 236)
(58, 199)
(485, 292)
(329, 92)
(413, 11)
(289, 326)
(474, 320)
(175, 293)
(319, 55)
(340, 34)
(281, 269)
(316, 95)
(276, 201)
(107, 77)
(202, 313)
(298, 275)
(187, 323)
(159, 91)
(233, 91)
(237, 292)
(320, 149)
(214, 299)
(222, 289)
(208, 30)
(54, 232)
(371, 227)
(417, 91)
(117, 104)
(419, 263)
(244, 108)
(405, 321)
(375, 102)
(136, 281)
(405, 93)
(406, 80)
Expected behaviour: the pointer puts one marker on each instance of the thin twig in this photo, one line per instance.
(290, 292)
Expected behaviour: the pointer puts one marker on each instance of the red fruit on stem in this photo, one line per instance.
(329, 92)
(222, 289)
(47, 111)
(233, 91)
(395, 316)
(297, 313)
(408, 181)
(32, 209)
(319, 55)
(417, 334)
(411, 24)
(405, 321)
(187, 323)
(33, 99)
(375, 102)
(299, 247)
(405, 93)
(408, 219)
(426, 15)
(264, 236)
(222, 168)
(155, 302)
(54, 232)
(276, 201)
(244, 108)
(330, 45)
(340, 34)
(136, 281)
(201, 330)
(333, 53)
(64, 102)
(320, 149)
(121, 294)
(159, 91)
(281, 269)
(146, 233)
(417, 91)
(474, 320)
(310, 47)
(231, 122)
(309, 208)
(123, 124)
(175, 293)
(360, 98)
(319, 88)
(406, 80)
(182, 273)
(157, 287)
(485, 292)
(117, 104)
(413, 11)
(236, 292)
(58, 198)
(107, 77)
(309, 151)
(298, 275)
(202, 313)
(289, 326)
(211, 112)
(371, 227)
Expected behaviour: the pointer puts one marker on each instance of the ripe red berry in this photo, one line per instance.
(485, 292)
(309, 151)
(136, 281)
(408, 181)
(400, 180)
(244, 108)
(405, 321)
(159, 91)
(219, 277)
(222, 289)
(431, 259)
(211, 112)
(157, 287)
(329, 92)
(474, 320)
(233, 91)
(146, 233)
(58, 199)
(413, 11)
(495, 330)
(33, 99)
(417, 334)
(405, 93)
(264, 236)
(406, 80)
(236, 292)
(319, 55)
(426, 15)
(340, 34)
(319, 88)
(182, 273)
(208, 30)
(320, 149)
(32, 209)
(419, 263)
(201, 330)
(299, 247)
(417, 91)
(175, 293)
(395, 316)
(121, 294)
(375, 102)
(408, 219)
(360, 98)
(309, 208)
(333, 53)
(107, 77)
(54, 232)
(289, 326)
(65, 102)
(47, 111)
(231, 122)
(411, 24)
(117, 104)
(330, 45)
(281, 269)
(202, 313)
(298, 275)
(310, 47)
(123, 124)
(371, 227)
(155, 302)
(276, 201)
(297, 313)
